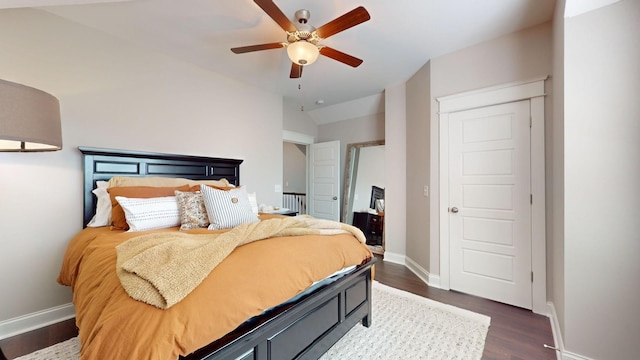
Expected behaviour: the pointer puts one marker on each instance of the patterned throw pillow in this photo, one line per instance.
(227, 209)
(193, 213)
(150, 213)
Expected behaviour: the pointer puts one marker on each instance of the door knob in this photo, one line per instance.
(335, 198)
(454, 210)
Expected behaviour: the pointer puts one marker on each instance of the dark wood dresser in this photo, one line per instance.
(371, 225)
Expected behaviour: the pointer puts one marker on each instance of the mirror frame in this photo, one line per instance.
(348, 173)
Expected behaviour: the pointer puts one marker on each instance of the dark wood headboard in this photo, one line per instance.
(103, 164)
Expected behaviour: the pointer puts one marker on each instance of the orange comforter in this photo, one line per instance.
(254, 277)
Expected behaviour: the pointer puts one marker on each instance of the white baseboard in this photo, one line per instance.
(555, 328)
(36, 320)
(434, 281)
(422, 273)
(567, 355)
(394, 258)
(557, 337)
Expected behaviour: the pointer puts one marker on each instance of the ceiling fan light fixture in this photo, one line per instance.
(303, 52)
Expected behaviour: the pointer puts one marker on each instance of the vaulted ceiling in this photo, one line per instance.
(400, 37)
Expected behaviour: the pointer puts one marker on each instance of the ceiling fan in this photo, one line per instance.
(303, 40)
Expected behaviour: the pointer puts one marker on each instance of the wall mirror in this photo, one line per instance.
(364, 168)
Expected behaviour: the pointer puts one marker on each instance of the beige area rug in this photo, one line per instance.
(66, 350)
(408, 326)
(405, 326)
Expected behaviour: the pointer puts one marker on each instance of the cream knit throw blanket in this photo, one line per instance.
(161, 269)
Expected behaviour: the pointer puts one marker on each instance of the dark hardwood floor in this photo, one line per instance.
(514, 333)
(38, 339)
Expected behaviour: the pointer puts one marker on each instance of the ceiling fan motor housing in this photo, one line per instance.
(304, 30)
(302, 16)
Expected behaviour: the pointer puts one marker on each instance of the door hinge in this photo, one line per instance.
(531, 198)
(532, 276)
(530, 121)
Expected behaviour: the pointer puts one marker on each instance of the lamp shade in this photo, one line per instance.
(302, 52)
(29, 119)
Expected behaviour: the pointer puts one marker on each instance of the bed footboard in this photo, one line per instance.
(305, 329)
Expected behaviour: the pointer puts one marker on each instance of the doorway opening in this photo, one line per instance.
(294, 177)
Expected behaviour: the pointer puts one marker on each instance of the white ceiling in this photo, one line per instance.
(401, 37)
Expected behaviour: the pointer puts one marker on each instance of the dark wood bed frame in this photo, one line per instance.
(304, 329)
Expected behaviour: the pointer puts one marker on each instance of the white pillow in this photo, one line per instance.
(253, 200)
(150, 213)
(227, 208)
(103, 206)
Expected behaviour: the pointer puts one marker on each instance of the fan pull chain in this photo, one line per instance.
(300, 90)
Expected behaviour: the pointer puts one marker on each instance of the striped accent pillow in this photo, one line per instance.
(227, 208)
(150, 213)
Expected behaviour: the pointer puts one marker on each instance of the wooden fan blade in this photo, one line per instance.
(348, 20)
(245, 49)
(340, 56)
(296, 71)
(276, 14)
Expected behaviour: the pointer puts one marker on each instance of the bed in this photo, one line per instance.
(302, 327)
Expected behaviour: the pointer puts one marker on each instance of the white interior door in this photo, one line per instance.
(324, 176)
(489, 202)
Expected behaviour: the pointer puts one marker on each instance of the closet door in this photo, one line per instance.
(489, 202)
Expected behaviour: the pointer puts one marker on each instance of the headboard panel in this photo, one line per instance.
(103, 164)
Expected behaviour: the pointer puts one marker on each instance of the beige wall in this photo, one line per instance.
(361, 129)
(298, 121)
(601, 178)
(418, 148)
(112, 94)
(555, 166)
(294, 167)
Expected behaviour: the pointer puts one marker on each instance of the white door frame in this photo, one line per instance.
(532, 90)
